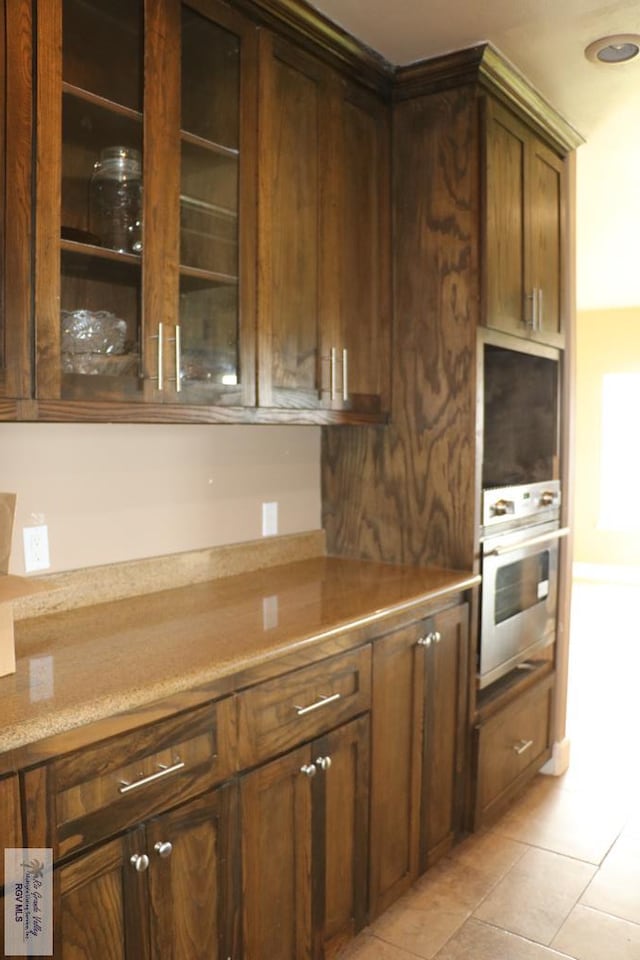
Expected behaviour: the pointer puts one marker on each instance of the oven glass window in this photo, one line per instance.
(521, 585)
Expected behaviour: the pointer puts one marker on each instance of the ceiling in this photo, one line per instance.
(545, 40)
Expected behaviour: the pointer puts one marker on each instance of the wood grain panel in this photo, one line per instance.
(342, 814)
(17, 228)
(407, 494)
(193, 893)
(269, 721)
(546, 173)
(399, 671)
(276, 859)
(10, 824)
(504, 225)
(100, 904)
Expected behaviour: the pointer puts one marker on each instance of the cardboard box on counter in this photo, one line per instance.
(11, 587)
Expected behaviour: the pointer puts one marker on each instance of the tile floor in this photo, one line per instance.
(559, 875)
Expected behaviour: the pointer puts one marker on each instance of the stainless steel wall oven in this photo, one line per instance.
(520, 545)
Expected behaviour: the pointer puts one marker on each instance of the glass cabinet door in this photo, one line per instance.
(138, 295)
(209, 353)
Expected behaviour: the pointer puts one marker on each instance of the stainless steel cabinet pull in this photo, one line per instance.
(345, 375)
(424, 641)
(163, 849)
(309, 769)
(323, 763)
(522, 746)
(531, 542)
(177, 355)
(164, 771)
(140, 861)
(160, 362)
(322, 702)
(530, 320)
(539, 314)
(332, 373)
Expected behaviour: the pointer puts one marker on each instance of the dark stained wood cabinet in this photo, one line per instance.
(420, 676)
(16, 183)
(304, 827)
(510, 745)
(324, 240)
(164, 891)
(524, 227)
(144, 283)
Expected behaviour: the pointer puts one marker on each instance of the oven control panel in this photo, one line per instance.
(522, 504)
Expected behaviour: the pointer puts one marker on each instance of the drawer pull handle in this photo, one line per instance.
(322, 702)
(140, 861)
(126, 787)
(522, 746)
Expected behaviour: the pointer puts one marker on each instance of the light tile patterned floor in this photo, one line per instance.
(559, 875)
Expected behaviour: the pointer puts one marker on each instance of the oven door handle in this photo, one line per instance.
(531, 542)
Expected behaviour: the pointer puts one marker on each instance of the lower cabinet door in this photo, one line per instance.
(194, 879)
(341, 832)
(100, 904)
(304, 848)
(275, 804)
(445, 724)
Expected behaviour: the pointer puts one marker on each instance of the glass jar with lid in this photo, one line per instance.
(116, 199)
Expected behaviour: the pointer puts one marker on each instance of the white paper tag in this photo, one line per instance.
(28, 901)
(543, 589)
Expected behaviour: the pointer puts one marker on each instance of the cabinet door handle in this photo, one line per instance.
(176, 341)
(322, 702)
(425, 641)
(437, 636)
(163, 849)
(345, 375)
(160, 359)
(539, 312)
(140, 861)
(164, 771)
(323, 763)
(522, 746)
(332, 373)
(309, 769)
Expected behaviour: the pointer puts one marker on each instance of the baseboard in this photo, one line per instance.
(559, 762)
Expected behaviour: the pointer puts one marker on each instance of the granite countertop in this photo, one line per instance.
(88, 664)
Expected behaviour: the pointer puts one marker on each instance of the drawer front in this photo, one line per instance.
(281, 713)
(513, 741)
(94, 793)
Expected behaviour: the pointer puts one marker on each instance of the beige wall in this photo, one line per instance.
(119, 492)
(608, 341)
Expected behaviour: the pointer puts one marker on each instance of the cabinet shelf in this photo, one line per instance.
(206, 207)
(209, 276)
(93, 98)
(100, 253)
(195, 141)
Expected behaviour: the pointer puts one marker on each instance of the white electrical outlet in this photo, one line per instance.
(269, 519)
(36, 548)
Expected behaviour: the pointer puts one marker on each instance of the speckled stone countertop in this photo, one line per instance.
(84, 665)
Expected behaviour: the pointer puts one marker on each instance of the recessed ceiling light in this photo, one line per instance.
(617, 49)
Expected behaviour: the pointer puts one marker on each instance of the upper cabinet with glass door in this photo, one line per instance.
(139, 293)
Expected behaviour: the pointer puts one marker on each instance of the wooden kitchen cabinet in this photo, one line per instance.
(418, 749)
(146, 167)
(16, 52)
(511, 743)
(324, 236)
(304, 827)
(167, 890)
(523, 243)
